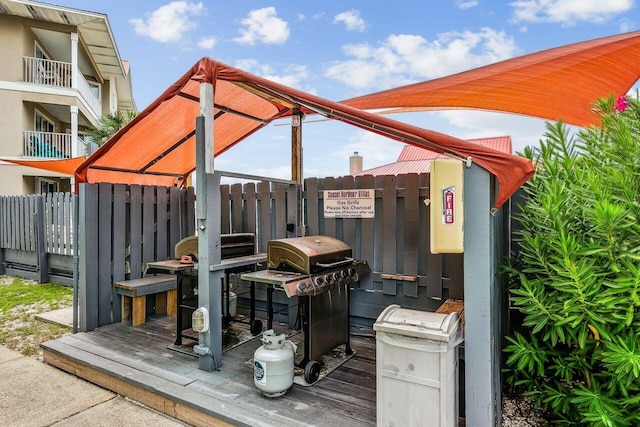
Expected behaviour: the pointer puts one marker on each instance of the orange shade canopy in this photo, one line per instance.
(555, 84)
(158, 146)
(63, 166)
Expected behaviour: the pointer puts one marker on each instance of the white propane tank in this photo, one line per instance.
(273, 364)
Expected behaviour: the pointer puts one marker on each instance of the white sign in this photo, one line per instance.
(349, 203)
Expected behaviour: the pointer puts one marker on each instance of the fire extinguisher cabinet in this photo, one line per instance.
(417, 367)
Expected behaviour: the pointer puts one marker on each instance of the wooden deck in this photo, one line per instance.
(135, 362)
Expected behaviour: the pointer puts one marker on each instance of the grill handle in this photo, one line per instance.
(345, 261)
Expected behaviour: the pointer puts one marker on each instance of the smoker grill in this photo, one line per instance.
(318, 270)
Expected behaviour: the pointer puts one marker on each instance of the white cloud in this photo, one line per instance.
(405, 58)
(291, 76)
(207, 43)
(351, 20)
(169, 22)
(626, 25)
(263, 26)
(466, 4)
(568, 12)
(375, 149)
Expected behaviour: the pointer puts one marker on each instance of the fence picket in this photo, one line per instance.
(135, 232)
(162, 245)
(312, 205)
(264, 208)
(249, 212)
(389, 202)
(367, 233)
(236, 208)
(105, 219)
(279, 213)
(175, 219)
(410, 250)
(225, 221)
(148, 224)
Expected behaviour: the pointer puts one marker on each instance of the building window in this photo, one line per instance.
(39, 52)
(95, 89)
(44, 186)
(42, 124)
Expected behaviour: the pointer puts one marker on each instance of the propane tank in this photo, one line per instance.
(273, 364)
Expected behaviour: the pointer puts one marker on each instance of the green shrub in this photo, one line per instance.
(576, 279)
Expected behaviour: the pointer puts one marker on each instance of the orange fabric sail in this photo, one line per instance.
(158, 145)
(560, 83)
(63, 166)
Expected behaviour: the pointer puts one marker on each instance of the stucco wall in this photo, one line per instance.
(11, 31)
(11, 123)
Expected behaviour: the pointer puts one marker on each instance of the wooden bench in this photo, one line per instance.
(134, 297)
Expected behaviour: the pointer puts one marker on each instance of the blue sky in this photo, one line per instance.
(338, 49)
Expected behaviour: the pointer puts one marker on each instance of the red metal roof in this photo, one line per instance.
(414, 159)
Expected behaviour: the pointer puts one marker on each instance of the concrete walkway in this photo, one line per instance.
(35, 394)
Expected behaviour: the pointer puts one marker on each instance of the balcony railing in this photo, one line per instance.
(47, 72)
(47, 144)
(58, 74)
(87, 94)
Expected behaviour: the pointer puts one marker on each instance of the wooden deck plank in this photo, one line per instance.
(164, 396)
(135, 362)
(160, 369)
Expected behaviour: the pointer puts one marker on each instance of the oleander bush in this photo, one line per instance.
(576, 279)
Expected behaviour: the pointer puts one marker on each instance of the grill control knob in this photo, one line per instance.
(343, 274)
(336, 276)
(351, 271)
(319, 281)
(328, 278)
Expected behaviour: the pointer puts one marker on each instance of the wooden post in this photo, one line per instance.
(209, 346)
(296, 146)
(88, 231)
(41, 246)
(482, 296)
(296, 173)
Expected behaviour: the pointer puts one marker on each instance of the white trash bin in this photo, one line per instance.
(417, 368)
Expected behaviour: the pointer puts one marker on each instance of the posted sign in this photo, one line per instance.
(349, 203)
(448, 205)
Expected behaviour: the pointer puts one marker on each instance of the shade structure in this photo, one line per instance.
(158, 146)
(62, 166)
(555, 84)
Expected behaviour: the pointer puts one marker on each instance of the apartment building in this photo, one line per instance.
(60, 72)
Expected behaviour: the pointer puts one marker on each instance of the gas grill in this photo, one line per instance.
(318, 270)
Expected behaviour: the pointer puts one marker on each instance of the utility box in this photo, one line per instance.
(417, 367)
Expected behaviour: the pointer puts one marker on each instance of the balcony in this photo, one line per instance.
(47, 145)
(58, 74)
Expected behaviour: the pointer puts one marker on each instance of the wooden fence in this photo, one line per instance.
(395, 243)
(125, 227)
(36, 236)
(121, 229)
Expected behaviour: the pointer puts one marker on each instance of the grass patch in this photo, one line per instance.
(16, 291)
(20, 301)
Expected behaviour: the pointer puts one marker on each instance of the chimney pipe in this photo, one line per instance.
(355, 163)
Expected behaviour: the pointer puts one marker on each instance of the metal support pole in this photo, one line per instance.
(209, 347)
(482, 310)
(76, 260)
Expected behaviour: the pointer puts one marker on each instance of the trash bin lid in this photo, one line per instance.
(418, 324)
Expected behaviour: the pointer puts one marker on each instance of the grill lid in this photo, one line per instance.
(307, 254)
